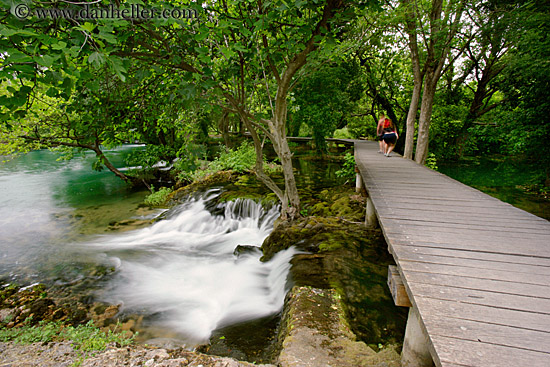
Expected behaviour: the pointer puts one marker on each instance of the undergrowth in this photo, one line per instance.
(242, 159)
(85, 339)
(157, 198)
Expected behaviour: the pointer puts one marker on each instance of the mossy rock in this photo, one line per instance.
(335, 202)
(313, 234)
(351, 259)
(218, 178)
(314, 328)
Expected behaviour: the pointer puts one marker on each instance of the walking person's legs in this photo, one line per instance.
(389, 150)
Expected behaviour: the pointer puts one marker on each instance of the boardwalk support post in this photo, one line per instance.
(416, 352)
(358, 180)
(397, 288)
(370, 217)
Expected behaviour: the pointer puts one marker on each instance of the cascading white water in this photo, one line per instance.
(183, 268)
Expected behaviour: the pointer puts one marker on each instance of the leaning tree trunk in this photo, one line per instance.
(277, 127)
(107, 163)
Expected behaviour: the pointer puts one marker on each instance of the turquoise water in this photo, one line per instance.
(180, 273)
(45, 205)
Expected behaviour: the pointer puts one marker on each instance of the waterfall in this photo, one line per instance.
(183, 269)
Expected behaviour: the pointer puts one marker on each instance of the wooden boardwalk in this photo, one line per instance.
(476, 270)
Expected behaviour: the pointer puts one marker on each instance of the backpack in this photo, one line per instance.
(387, 124)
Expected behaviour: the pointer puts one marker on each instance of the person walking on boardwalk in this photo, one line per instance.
(389, 136)
(380, 133)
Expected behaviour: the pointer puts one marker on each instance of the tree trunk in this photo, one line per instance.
(411, 120)
(223, 126)
(277, 128)
(418, 77)
(108, 164)
(425, 117)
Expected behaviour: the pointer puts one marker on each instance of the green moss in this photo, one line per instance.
(329, 246)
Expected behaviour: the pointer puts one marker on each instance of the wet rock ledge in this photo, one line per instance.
(314, 333)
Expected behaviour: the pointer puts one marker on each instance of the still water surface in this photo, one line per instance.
(502, 177)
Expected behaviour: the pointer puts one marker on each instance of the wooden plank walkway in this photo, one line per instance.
(476, 269)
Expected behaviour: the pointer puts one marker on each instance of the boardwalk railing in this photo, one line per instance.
(475, 270)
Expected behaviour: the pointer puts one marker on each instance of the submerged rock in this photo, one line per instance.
(246, 249)
(315, 235)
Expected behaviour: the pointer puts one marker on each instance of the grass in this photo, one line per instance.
(85, 339)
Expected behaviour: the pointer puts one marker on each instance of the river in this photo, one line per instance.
(180, 272)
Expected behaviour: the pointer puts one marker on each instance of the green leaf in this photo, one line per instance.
(59, 46)
(87, 27)
(109, 37)
(202, 34)
(240, 47)
(118, 67)
(17, 56)
(45, 60)
(8, 32)
(96, 58)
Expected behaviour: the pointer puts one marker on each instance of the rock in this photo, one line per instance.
(246, 249)
(351, 258)
(166, 343)
(316, 335)
(40, 308)
(7, 314)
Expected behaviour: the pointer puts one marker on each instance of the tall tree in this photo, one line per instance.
(485, 59)
(437, 23)
(242, 55)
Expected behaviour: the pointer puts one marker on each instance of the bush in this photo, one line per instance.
(240, 160)
(343, 133)
(348, 168)
(158, 198)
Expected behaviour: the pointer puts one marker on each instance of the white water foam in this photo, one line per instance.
(182, 269)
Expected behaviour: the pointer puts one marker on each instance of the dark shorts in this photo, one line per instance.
(379, 137)
(390, 138)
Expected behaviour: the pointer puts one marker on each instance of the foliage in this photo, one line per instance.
(136, 81)
(325, 99)
(85, 338)
(147, 158)
(44, 332)
(241, 160)
(445, 129)
(343, 133)
(102, 83)
(348, 168)
(527, 84)
(431, 161)
(89, 338)
(158, 198)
